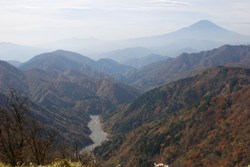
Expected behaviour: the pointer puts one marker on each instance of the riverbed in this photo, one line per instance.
(97, 133)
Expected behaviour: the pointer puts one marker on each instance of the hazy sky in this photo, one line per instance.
(39, 21)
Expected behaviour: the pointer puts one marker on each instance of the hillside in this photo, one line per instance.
(10, 76)
(197, 121)
(74, 90)
(13, 78)
(186, 65)
(63, 96)
(72, 79)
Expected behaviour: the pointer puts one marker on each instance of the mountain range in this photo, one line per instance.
(65, 60)
(64, 90)
(202, 35)
(199, 36)
(185, 65)
(194, 110)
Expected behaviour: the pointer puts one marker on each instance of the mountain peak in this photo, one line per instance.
(205, 24)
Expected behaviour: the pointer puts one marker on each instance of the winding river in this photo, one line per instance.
(97, 135)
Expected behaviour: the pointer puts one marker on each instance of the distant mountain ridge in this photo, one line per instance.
(188, 64)
(62, 60)
(147, 77)
(202, 35)
(202, 30)
(144, 61)
(206, 30)
(11, 51)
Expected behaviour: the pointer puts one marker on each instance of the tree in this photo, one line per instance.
(22, 137)
(41, 139)
(13, 136)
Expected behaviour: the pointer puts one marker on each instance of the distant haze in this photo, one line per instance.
(29, 22)
(202, 35)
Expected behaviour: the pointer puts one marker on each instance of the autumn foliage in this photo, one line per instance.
(198, 121)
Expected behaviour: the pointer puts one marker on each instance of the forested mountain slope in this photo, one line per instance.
(197, 121)
(63, 93)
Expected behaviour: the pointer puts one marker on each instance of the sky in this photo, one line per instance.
(33, 22)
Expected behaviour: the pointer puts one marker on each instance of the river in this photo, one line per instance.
(97, 133)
